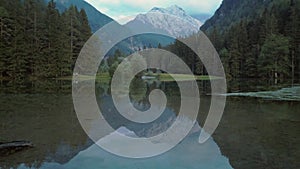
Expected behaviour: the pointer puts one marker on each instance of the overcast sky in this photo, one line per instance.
(125, 10)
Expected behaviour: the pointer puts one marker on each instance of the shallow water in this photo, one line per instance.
(284, 94)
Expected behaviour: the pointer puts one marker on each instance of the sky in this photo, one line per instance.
(126, 10)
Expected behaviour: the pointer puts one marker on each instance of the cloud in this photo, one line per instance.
(127, 8)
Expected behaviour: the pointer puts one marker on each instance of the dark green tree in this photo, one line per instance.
(293, 32)
(274, 59)
(5, 35)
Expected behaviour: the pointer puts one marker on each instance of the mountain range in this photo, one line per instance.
(172, 20)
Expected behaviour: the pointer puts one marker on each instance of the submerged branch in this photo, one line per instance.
(13, 147)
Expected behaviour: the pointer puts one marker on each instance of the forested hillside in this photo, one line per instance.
(39, 42)
(95, 18)
(257, 39)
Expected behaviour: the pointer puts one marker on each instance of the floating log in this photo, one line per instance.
(8, 148)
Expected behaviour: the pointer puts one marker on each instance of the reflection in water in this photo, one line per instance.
(48, 121)
(260, 134)
(189, 154)
(253, 133)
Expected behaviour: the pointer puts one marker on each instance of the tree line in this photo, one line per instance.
(39, 42)
(265, 46)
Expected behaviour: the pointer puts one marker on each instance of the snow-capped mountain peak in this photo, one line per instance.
(176, 10)
(173, 10)
(156, 9)
(173, 20)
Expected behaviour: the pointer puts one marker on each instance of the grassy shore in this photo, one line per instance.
(184, 77)
(161, 77)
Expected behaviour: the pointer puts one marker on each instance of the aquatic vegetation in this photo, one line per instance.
(286, 94)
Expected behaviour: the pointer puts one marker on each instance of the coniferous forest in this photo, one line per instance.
(257, 39)
(37, 41)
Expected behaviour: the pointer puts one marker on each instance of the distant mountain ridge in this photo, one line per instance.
(201, 17)
(232, 11)
(95, 17)
(173, 20)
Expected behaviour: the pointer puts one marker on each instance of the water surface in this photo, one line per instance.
(254, 132)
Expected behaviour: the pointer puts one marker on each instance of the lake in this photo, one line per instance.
(256, 132)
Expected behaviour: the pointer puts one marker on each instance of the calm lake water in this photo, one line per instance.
(254, 133)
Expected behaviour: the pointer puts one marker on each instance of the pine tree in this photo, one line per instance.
(85, 28)
(224, 55)
(234, 55)
(16, 62)
(53, 41)
(253, 49)
(292, 31)
(274, 57)
(243, 45)
(5, 35)
(215, 38)
(30, 33)
(78, 31)
(69, 20)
